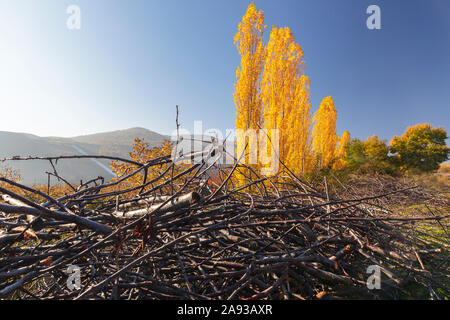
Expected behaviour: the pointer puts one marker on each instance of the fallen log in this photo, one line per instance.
(36, 222)
(143, 202)
(181, 202)
(57, 215)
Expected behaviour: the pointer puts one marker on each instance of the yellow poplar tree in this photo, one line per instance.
(344, 140)
(299, 131)
(285, 97)
(271, 92)
(248, 41)
(324, 133)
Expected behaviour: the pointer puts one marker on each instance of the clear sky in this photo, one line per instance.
(133, 61)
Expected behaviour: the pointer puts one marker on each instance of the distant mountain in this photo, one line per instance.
(121, 137)
(116, 143)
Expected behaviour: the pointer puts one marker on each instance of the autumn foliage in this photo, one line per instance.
(143, 154)
(285, 98)
(247, 98)
(421, 147)
(249, 43)
(272, 92)
(324, 133)
(342, 153)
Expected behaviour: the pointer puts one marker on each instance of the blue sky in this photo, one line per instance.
(133, 61)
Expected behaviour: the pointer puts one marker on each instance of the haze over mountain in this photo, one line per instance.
(116, 143)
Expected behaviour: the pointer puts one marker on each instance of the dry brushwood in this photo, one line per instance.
(185, 238)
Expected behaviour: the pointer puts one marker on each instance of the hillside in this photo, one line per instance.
(116, 143)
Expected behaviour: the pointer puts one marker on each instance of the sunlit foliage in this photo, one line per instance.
(421, 147)
(324, 133)
(344, 140)
(369, 156)
(9, 173)
(142, 153)
(286, 99)
(271, 91)
(55, 190)
(248, 41)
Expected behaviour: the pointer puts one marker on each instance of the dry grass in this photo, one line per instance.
(445, 168)
(439, 181)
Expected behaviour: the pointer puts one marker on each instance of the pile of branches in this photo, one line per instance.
(193, 238)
